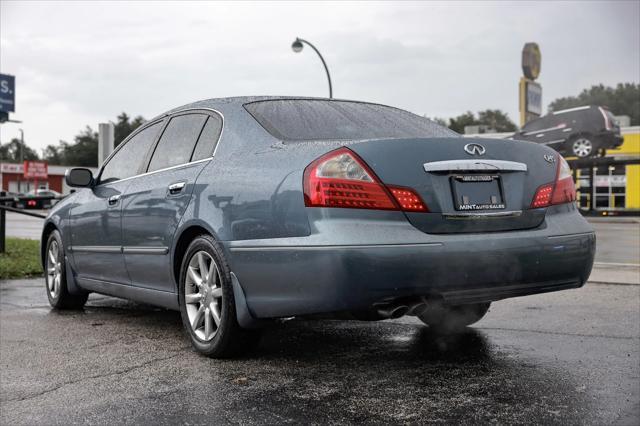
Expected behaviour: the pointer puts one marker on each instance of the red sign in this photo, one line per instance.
(36, 170)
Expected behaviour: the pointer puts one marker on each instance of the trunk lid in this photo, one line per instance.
(468, 184)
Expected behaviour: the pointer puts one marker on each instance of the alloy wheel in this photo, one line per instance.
(582, 147)
(203, 295)
(54, 269)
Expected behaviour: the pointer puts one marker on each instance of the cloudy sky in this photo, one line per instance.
(79, 64)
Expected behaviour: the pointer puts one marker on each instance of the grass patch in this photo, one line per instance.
(21, 259)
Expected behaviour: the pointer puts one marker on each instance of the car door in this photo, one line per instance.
(95, 219)
(154, 203)
(532, 129)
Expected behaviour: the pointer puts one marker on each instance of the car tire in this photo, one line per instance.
(583, 146)
(207, 304)
(55, 273)
(447, 319)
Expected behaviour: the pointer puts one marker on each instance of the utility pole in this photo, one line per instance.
(106, 134)
(21, 145)
(21, 158)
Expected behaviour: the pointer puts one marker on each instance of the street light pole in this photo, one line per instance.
(297, 47)
(21, 158)
(21, 145)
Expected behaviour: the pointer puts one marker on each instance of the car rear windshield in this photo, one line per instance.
(315, 120)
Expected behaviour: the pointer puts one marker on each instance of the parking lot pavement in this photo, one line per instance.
(22, 226)
(571, 357)
(617, 241)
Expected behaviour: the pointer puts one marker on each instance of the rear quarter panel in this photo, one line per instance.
(252, 188)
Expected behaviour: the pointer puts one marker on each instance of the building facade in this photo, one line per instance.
(12, 179)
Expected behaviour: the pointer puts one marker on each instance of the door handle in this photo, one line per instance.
(176, 188)
(113, 200)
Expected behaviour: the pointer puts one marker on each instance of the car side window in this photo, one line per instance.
(555, 120)
(127, 160)
(177, 141)
(208, 139)
(535, 125)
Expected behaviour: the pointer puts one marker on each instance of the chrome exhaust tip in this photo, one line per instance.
(393, 312)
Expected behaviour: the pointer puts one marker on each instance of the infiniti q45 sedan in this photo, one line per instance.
(241, 211)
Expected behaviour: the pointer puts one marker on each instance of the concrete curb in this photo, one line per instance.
(613, 219)
(610, 283)
(615, 273)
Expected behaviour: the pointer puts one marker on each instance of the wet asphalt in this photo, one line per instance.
(571, 357)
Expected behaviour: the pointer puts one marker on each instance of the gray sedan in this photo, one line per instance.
(238, 212)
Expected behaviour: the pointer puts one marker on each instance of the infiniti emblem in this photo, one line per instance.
(474, 149)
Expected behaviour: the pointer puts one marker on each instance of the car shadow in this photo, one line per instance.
(319, 340)
(315, 340)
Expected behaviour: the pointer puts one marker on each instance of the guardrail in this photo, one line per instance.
(39, 202)
(3, 217)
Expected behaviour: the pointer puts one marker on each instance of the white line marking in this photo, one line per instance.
(637, 265)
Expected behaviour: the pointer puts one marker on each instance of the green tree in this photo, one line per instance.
(124, 126)
(52, 154)
(84, 150)
(624, 99)
(10, 152)
(457, 124)
(492, 118)
(496, 120)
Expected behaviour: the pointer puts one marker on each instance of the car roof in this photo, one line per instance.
(580, 108)
(222, 104)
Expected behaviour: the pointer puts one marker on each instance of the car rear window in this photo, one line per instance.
(313, 120)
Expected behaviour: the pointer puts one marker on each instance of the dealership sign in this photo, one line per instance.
(11, 168)
(36, 170)
(531, 60)
(534, 98)
(530, 91)
(619, 181)
(7, 93)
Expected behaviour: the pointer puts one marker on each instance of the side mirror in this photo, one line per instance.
(79, 177)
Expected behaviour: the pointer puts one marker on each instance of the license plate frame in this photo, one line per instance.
(486, 184)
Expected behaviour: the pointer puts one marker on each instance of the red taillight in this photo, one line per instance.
(408, 199)
(607, 120)
(561, 191)
(345, 193)
(31, 203)
(543, 196)
(341, 179)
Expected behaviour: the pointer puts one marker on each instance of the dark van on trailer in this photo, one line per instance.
(581, 132)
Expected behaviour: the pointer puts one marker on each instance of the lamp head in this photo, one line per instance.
(297, 46)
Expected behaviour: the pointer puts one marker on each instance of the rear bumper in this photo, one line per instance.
(610, 140)
(493, 293)
(308, 275)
